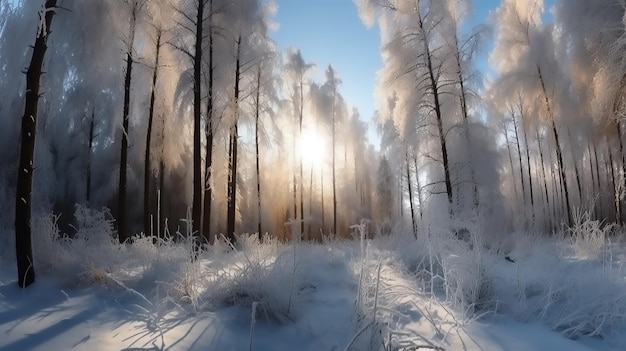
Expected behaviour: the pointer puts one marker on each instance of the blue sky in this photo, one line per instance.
(330, 32)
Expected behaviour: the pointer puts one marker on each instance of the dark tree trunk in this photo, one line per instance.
(161, 190)
(508, 147)
(121, 206)
(257, 113)
(465, 114)
(519, 156)
(147, 166)
(232, 164)
(576, 172)
(89, 153)
(301, 160)
(322, 196)
(618, 126)
(410, 189)
(438, 114)
(334, 141)
(559, 154)
(610, 166)
(545, 180)
(196, 214)
(597, 164)
(530, 178)
(208, 165)
(419, 189)
(23, 196)
(123, 182)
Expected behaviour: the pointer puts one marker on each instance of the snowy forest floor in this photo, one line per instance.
(386, 293)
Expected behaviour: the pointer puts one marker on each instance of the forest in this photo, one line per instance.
(177, 121)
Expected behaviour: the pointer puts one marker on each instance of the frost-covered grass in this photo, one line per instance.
(573, 282)
(389, 292)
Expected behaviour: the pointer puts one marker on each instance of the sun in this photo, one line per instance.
(312, 148)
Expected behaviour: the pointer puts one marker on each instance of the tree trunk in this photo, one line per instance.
(597, 164)
(301, 160)
(438, 114)
(618, 126)
(334, 132)
(559, 154)
(576, 172)
(89, 153)
(419, 190)
(465, 114)
(508, 147)
(322, 196)
(610, 166)
(232, 179)
(257, 113)
(530, 178)
(23, 195)
(198, 181)
(147, 166)
(208, 125)
(519, 157)
(123, 182)
(545, 180)
(408, 181)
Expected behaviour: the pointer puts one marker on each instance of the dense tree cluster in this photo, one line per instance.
(539, 138)
(153, 107)
(156, 108)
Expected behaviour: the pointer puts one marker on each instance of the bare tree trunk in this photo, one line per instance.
(123, 182)
(23, 195)
(545, 179)
(618, 126)
(334, 132)
(161, 189)
(508, 147)
(419, 190)
(576, 172)
(198, 181)
(439, 116)
(519, 157)
(257, 113)
(592, 189)
(442, 138)
(597, 164)
(301, 159)
(147, 166)
(232, 179)
(559, 154)
(610, 166)
(208, 131)
(410, 189)
(89, 154)
(464, 111)
(530, 178)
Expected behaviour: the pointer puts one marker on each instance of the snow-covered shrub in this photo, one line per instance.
(574, 296)
(588, 237)
(253, 274)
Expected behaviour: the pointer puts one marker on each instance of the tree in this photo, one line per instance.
(208, 131)
(23, 197)
(147, 160)
(135, 7)
(296, 70)
(233, 145)
(332, 82)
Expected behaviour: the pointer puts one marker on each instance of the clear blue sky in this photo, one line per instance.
(330, 32)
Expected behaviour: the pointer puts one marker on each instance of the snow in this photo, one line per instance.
(336, 295)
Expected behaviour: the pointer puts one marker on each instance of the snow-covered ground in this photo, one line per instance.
(387, 293)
